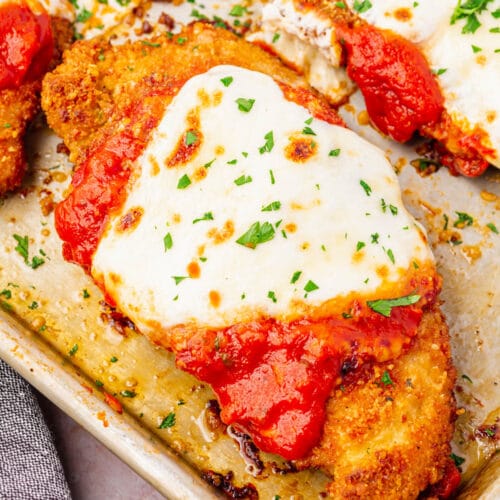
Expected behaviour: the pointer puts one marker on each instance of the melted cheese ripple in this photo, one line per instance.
(320, 205)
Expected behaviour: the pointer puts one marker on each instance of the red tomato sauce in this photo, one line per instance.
(26, 44)
(400, 91)
(273, 378)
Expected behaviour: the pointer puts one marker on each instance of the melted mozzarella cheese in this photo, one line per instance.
(469, 62)
(328, 223)
(305, 40)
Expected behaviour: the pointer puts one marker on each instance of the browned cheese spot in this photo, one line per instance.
(404, 14)
(194, 270)
(155, 168)
(130, 220)
(291, 227)
(215, 298)
(300, 149)
(186, 149)
(223, 234)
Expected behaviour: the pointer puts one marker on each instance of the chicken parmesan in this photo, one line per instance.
(224, 208)
(421, 67)
(30, 42)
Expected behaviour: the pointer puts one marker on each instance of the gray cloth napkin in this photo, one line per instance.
(30, 468)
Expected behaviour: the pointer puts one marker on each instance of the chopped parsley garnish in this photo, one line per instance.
(273, 180)
(476, 49)
(334, 152)
(308, 131)
(446, 221)
(150, 44)
(386, 378)
(311, 286)
(7, 125)
(458, 460)
(360, 245)
(346, 315)
(123, 3)
(468, 10)
(495, 30)
(98, 383)
(276, 37)
(73, 350)
(496, 14)
(6, 293)
(206, 216)
(209, 164)
(237, 11)
(181, 40)
(226, 81)
(83, 16)
(33, 305)
(244, 179)
(439, 71)
(168, 421)
(178, 279)
(85, 293)
(191, 138)
(393, 209)
(466, 377)
(374, 237)
(492, 227)
(366, 187)
(391, 256)
(244, 105)
(196, 13)
(128, 394)
(384, 306)
(184, 182)
(113, 359)
(362, 6)
(272, 207)
(232, 162)
(256, 235)
(295, 277)
(272, 295)
(167, 242)
(269, 144)
(22, 248)
(340, 5)
(463, 220)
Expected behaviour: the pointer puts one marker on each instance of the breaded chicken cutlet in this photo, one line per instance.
(20, 97)
(353, 379)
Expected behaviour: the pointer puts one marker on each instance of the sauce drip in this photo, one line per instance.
(400, 90)
(273, 378)
(26, 44)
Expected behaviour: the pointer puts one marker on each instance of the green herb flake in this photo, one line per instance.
(184, 182)
(295, 277)
(245, 105)
(386, 378)
(496, 14)
(226, 81)
(181, 40)
(362, 6)
(446, 221)
(271, 175)
(276, 37)
(390, 254)
(468, 10)
(33, 305)
(22, 246)
(272, 207)
(458, 460)
(113, 359)
(311, 286)
(360, 245)
(476, 49)
(346, 315)
(334, 152)
(495, 30)
(168, 421)
(85, 294)
(269, 144)
(366, 187)
(375, 237)
(466, 377)
(489, 432)
(205, 216)
(244, 179)
(83, 16)
(190, 138)
(167, 242)
(209, 164)
(98, 383)
(384, 306)
(237, 11)
(178, 279)
(232, 162)
(272, 295)
(73, 350)
(181, 402)
(308, 131)
(393, 209)
(340, 5)
(439, 71)
(7, 125)
(492, 227)
(150, 44)
(197, 14)
(6, 293)
(36, 262)
(463, 220)
(128, 394)
(257, 234)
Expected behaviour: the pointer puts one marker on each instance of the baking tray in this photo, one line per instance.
(47, 311)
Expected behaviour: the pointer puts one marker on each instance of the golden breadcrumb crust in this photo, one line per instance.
(379, 441)
(18, 107)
